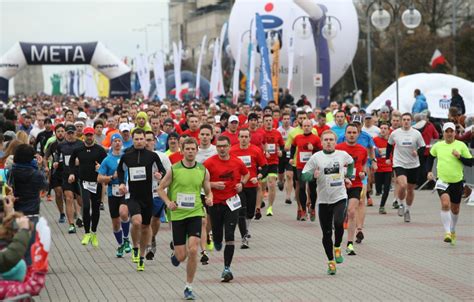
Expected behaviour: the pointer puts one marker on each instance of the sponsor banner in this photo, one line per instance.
(120, 86)
(235, 80)
(12, 62)
(265, 85)
(177, 55)
(198, 71)
(159, 71)
(107, 63)
(58, 53)
(3, 89)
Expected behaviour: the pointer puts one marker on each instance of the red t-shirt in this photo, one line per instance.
(321, 129)
(381, 145)
(234, 137)
(252, 157)
(229, 171)
(175, 157)
(194, 134)
(257, 138)
(276, 123)
(242, 119)
(359, 154)
(274, 141)
(303, 154)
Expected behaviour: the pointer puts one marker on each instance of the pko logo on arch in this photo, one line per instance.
(272, 23)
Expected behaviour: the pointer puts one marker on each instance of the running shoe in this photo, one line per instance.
(136, 256)
(119, 253)
(270, 211)
(245, 243)
(79, 222)
(94, 240)
(102, 208)
(248, 235)
(331, 267)
(447, 237)
(395, 204)
(204, 258)
(401, 210)
(210, 245)
(382, 210)
(406, 216)
(378, 194)
(281, 186)
(62, 218)
(126, 245)
(188, 294)
(86, 239)
(370, 202)
(258, 215)
(218, 246)
(298, 215)
(226, 275)
(312, 216)
(174, 260)
(453, 238)
(149, 255)
(338, 255)
(172, 245)
(140, 265)
(288, 201)
(359, 236)
(72, 229)
(350, 250)
(303, 216)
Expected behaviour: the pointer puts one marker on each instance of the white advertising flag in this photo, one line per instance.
(214, 92)
(177, 69)
(143, 73)
(159, 71)
(235, 80)
(198, 71)
(291, 59)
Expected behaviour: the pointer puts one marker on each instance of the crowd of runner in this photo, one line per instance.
(207, 169)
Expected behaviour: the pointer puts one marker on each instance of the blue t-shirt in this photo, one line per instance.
(339, 130)
(127, 144)
(161, 142)
(108, 168)
(364, 139)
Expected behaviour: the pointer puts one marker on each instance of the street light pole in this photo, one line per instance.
(369, 59)
(397, 72)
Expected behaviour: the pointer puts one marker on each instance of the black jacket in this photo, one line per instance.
(27, 182)
(458, 102)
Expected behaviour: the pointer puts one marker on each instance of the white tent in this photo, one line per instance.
(435, 86)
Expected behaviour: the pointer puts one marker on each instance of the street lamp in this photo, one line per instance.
(381, 19)
(304, 33)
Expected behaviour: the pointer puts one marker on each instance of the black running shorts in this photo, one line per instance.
(185, 228)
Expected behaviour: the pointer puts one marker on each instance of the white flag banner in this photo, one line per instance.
(143, 72)
(198, 71)
(76, 83)
(291, 59)
(177, 69)
(220, 85)
(235, 79)
(214, 92)
(90, 85)
(159, 70)
(253, 34)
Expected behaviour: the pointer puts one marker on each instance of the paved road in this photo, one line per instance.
(396, 262)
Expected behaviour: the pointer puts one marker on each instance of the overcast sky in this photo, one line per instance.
(111, 22)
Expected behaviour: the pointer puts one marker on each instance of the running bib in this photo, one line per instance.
(271, 148)
(305, 156)
(288, 154)
(137, 173)
(90, 186)
(247, 160)
(66, 160)
(383, 152)
(186, 201)
(116, 191)
(154, 187)
(334, 180)
(441, 185)
(234, 202)
(407, 142)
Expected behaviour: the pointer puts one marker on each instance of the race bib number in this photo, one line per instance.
(305, 156)
(116, 191)
(234, 202)
(247, 160)
(407, 142)
(66, 160)
(288, 154)
(186, 201)
(90, 186)
(441, 185)
(383, 152)
(334, 180)
(137, 173)
(271, 148)
(154, 188)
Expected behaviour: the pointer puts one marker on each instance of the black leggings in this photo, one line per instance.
(248, 197)
(223, 222)
(302, 191)
(383, 179)
(329, 213)
(91, 201)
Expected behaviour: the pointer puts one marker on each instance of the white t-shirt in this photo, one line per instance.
(330, 184)
(165, 161)
(204, 154)
(284, 132)
(374, 131)
(406, 141)
(35, 131)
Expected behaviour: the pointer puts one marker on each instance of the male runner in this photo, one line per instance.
(452, 155)
(383, 176)
(285, 170)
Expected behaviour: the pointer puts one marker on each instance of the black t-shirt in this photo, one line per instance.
(88, 157)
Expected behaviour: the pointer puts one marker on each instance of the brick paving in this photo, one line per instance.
(396, 262)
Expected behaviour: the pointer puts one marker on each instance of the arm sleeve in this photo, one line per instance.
(15, 251)
(467, 161)
(73, 169)
(388, 151)
(430, 162)
(292, 151)
(120, 171)
(159, 164)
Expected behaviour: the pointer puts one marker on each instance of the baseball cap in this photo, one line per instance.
(253, 116)
(23, 111)
(354, 110)
(116, 136)
(82, 114)
(384, 109)
(79, 123)
(233, 118)
(9, 134)
(168, 121)
(124, 127)
(217, 118)
(88, 130)
(356, 119)
(70, 128)
(449, 125)
(367, 116)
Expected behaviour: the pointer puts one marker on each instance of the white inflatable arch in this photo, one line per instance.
(93, 53)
